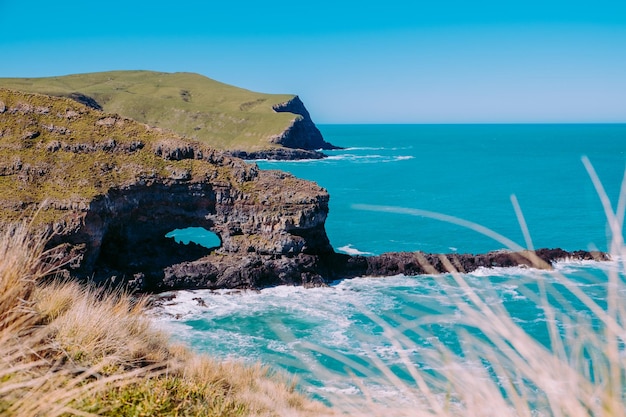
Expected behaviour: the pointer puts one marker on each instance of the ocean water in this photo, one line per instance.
(469, 172)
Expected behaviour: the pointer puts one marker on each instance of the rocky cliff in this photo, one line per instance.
(243, 123)
(302, 132)
(109, 189)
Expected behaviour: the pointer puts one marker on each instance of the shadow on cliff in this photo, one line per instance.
(145, 257)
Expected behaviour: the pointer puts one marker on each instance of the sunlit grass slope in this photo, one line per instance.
(70, 349)
(58, 151)
(192, 105)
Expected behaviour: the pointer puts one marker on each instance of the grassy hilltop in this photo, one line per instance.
(221, 115)
(58, 150)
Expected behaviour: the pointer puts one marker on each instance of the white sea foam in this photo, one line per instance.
(277, 325)
(369, 159)
(574, 265)
(364, 148)
(561, 267)
(375, 148)
(351, 250)
(404, 157)
(349, 390)
(509, 271)
(512, 291)
(284, 162)
(354, 157)
(334, 158)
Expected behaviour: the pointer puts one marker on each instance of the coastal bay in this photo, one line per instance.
(465, 171)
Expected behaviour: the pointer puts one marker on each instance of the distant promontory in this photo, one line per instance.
(240, 122)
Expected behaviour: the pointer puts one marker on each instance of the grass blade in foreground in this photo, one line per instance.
(496, 368)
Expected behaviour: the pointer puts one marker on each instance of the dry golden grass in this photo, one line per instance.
(95, 325)
(70, 349)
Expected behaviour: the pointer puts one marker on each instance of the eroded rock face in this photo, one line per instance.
(302, 133)
(112, 188)
(122, 233)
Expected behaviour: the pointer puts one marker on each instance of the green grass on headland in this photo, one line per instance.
(220, 115)
(56, 154)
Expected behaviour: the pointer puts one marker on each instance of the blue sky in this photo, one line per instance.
(351, 62)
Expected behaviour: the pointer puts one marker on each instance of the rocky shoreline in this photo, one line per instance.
(110, 189)
(278, 154)
(257, 272)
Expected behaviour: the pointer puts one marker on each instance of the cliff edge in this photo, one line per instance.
(302, 133)
(108, 189)
(243, 123)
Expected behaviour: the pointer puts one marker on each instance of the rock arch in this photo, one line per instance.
(273, 218)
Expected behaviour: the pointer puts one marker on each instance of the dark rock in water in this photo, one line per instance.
(302, 134)
(417, 263)
(258, 271)
(200, 301)
(284, 154)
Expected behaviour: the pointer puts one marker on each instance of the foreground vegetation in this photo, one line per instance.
(69, 349)
(498, 369)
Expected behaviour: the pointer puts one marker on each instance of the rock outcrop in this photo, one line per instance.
(84, 99)
(243, 123)
(122, 233)
(254, 271)
(419, 263)
(110, 189)
(279, 154)
(302, 133)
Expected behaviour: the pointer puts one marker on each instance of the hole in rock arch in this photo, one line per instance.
(198, 235)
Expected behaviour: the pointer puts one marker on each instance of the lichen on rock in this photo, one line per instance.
(112, 189)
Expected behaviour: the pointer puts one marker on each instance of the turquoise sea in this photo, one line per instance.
(470, 172)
